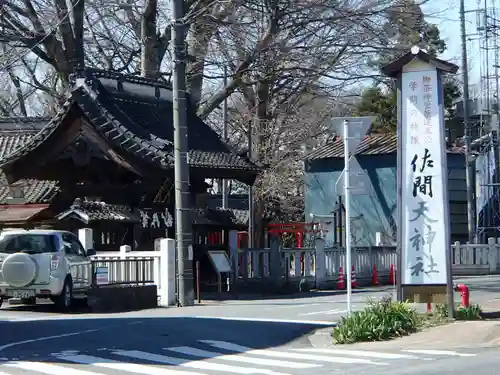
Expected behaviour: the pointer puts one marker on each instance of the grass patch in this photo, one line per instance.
(381, 320)
(387, 319)
(473, 312)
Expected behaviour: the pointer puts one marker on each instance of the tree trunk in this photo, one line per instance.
(149, 54)
(260, 128)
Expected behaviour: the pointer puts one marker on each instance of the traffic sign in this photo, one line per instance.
(359, 182)
(357, 128)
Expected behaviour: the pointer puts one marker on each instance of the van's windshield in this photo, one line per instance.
(29, 243)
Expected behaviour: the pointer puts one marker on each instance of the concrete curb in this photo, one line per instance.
(458, 335)
(321, 338)
(211, 299)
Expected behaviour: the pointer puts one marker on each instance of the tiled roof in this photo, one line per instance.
(36, 137)
(222, 160)
(88, 211)
(375, 144)
(11, 214)
(35, 191)
(135, 115)
(14, 134)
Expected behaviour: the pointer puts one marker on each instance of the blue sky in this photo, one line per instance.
(445, 13)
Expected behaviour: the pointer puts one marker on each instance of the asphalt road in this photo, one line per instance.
(195, 346)
(265, 336)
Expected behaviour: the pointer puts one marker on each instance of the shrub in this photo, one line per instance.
(473, 312)
(381, 320)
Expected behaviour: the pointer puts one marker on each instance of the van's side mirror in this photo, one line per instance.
(91, 252)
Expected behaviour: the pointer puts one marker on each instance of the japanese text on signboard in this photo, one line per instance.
(422, 194)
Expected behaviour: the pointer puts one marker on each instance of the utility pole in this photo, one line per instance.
(487, 58)
(251, 215)
(225, 192)
(471, 217)
(183, 224)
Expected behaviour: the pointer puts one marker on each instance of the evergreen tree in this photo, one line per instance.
(406, 27)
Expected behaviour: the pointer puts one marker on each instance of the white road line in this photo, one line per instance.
(324, 312)
(288, 306)
(239, 358)
(121, 366)
(48, 368)
(439, 352)
(277, 354)
(265, 320)
(200, 365)
(359, 353)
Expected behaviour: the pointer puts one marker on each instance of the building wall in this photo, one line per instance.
(376, 212)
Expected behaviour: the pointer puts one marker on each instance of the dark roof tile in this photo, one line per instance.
(15, 133)
(137, 114)
(35, 191)
(394, 68)
(88, 211)
(375, 144)
(219, 160)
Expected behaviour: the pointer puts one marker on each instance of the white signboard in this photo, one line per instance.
(102, 275)
(220, 261)
(425, 229)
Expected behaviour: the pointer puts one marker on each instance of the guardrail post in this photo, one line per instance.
(275, 259)
(124, 266)
(319, 262)
(492, 254)
(233, 255)
(245, 264)
(86, 237)
(166, 282)
(457, 256)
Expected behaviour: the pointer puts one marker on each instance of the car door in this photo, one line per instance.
(84, 263)
(72, 260)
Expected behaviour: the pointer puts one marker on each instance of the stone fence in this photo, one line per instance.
(260, 269)
(320, 265)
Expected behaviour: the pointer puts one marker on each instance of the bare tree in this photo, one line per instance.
(288, 60)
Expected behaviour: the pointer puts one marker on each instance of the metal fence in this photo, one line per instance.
(301, 262)
(259, 266)
(113, 271)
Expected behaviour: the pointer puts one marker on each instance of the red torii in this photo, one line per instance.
(299, 228)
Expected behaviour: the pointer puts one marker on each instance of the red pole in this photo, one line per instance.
(299, 239)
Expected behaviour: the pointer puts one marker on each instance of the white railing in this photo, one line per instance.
(476, 259)
(140, 267)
